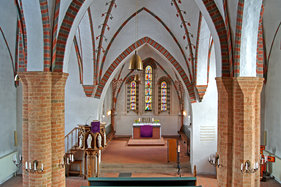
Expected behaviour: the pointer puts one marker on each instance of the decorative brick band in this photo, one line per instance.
(46, 34)
(197, 46)
(158, 47)
(261, 56)
(79, 60)
(55, 29)
(65, 27)
(93, 45)
(238, 34)
(88, 89)
(221, 29)
(160, 21)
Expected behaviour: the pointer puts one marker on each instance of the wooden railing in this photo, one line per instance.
(71, 140)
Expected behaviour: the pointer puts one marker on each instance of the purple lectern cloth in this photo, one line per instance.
(95, 126)
(146, 130)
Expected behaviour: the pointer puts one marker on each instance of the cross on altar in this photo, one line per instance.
(264, 160)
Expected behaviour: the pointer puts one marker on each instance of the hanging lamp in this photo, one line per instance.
(136, 62)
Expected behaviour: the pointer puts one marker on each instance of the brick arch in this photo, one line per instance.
(218, 21)
(64, 31)
(164, 78)
(159, 48)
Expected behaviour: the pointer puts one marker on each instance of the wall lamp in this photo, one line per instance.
(247, 168)
(17, 161)
(32, 167)
(67, 159)
(214, 160)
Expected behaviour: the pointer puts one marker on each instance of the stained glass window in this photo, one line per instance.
(148, 88)
(133, 90)
(163, 96)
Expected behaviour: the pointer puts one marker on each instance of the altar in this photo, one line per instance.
(146, 130)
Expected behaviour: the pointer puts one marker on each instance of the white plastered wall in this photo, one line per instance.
(79, 109)
(272, 89)
(204, 124)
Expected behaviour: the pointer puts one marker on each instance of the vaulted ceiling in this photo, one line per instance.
(108, 28)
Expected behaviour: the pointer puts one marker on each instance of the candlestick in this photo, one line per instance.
(34, 166)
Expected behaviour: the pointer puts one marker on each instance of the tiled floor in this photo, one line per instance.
(119, 152)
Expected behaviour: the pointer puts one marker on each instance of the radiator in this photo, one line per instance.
(8, 168)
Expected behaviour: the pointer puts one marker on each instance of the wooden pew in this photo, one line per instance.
(140, 181)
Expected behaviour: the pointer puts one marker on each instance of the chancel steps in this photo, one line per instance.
(144, 168)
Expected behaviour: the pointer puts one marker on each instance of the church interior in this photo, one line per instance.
(174, 92)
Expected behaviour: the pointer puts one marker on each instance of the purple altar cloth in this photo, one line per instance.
(146, 130)
(95, 126)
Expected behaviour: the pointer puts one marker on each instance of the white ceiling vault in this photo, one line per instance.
(171, 23)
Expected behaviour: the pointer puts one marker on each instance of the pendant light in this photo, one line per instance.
(136, 62)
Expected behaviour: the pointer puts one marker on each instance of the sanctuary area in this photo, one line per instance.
(140, 92)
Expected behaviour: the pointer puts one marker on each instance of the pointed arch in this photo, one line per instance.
(159, 48)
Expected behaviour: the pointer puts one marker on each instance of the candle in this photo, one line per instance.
(26, 165)
(20, 157)
(67, 160)
(257, 165)
(139, 119)
(15, 159)
(42, 167)
(152, 119)
(72, 158)
(246, 166)
(30, 165)
(34, 166)
(218, 161)
(265, 158)
(179, 148)
(242, 167)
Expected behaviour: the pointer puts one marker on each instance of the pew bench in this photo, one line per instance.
(141, 181)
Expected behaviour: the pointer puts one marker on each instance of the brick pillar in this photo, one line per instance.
(24, 130)
(246, 120)
(225, 130)
(43, 126)
(37, 101)
(238, 129)
(57, 122)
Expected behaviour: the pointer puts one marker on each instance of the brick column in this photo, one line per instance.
(37, 101)
(246, 120)
(58, 126)
(43, 126)
(25, 177)
(238, 129)
(225, 130)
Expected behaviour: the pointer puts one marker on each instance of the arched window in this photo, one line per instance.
(133, 96)
(148, 88)
(163, 96)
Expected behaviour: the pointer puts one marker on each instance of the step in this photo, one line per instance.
(143, 168)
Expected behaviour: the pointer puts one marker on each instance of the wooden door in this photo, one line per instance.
(172, 150)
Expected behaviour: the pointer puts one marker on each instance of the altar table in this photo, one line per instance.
(146, 130)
